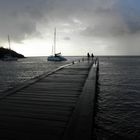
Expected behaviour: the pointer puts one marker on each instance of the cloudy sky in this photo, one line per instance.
(104, 27)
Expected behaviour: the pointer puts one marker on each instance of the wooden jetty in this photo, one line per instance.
(54, 106)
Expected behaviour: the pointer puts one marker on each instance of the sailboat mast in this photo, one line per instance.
(52, 50)
(9, 42)
(54, 41)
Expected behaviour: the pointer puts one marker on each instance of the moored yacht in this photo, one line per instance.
(56, 56)
(9, 57)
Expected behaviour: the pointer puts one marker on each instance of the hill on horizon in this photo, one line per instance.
(4, 52)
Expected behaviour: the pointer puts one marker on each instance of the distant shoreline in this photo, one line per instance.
(5, 52)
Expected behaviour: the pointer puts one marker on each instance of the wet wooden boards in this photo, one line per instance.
(45, 108)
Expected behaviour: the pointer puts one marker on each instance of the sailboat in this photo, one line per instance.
(55, 56)
(9, 56)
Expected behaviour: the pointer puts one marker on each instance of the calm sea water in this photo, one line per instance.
(118, 101)
(16, 72)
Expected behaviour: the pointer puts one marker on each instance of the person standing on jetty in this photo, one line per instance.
(92, 55)
(88, 56)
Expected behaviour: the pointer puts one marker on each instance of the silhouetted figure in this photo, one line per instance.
(88, 56)
(92, 55)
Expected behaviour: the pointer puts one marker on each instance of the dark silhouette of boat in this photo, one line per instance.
(55, 56)
(9, 56)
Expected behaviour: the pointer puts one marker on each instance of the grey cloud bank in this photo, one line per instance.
(116, 23)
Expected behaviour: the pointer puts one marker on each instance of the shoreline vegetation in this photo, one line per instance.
(4, 52)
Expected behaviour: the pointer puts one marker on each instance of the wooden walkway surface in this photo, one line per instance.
(51, 107)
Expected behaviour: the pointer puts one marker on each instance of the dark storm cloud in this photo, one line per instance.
(102, 18)
(91, 18)
(130, 11)
(19, 17)
(117, 19)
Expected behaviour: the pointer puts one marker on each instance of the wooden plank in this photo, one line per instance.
(39, 106)
(57, 85)
(35, 110)
(80, 66)
(76, 72)
(62, 104)
(40, 98)
(49, 92)
(62, 82)
(62, 76)
(58, 78)
(45, 94)
(55, 100)
(45, 116)
(47, 89)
